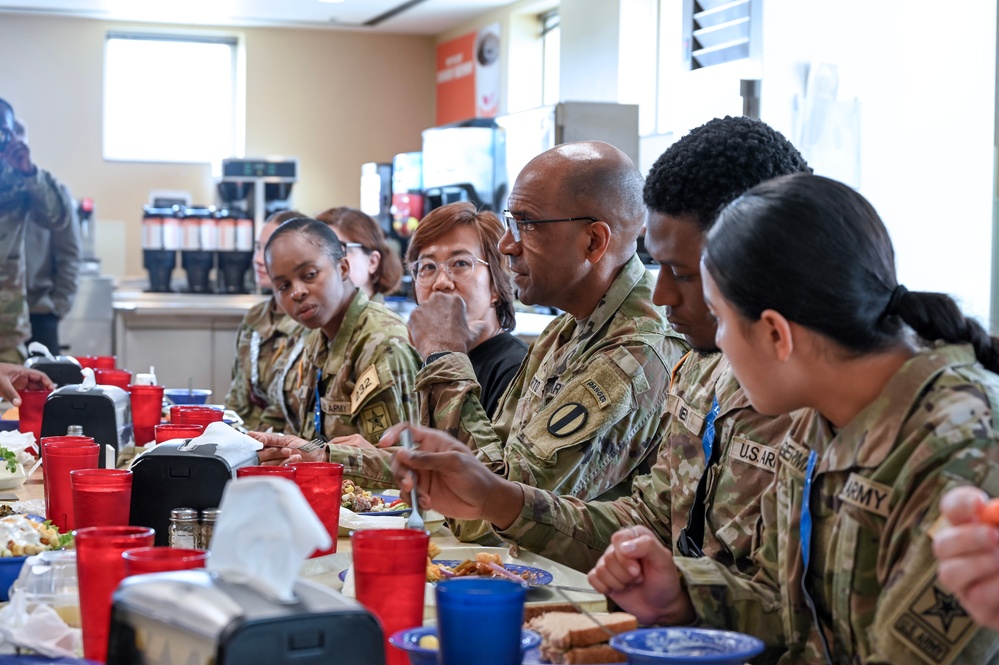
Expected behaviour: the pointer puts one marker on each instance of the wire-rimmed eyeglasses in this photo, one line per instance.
(517, 225)
(348, 245)
(458, 268)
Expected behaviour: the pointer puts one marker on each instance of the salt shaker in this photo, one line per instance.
(207, 528)
(184, 528)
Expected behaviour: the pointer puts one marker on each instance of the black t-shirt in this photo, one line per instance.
(496, 362)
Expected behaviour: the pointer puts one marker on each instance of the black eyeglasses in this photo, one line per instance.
(517, 225)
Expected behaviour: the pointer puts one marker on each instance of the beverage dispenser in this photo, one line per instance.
(198, 244)
(159, 246)
(235, 250)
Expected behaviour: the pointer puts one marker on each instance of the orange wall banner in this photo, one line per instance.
(468, 76)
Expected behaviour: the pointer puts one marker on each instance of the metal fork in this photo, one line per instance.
(406, 439)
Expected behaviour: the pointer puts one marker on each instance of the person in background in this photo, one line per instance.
(52, 261)
(268, 344)
(375, 268)
(18, 377)
(357, 358)
(693, 503)
(967, 551)
(584, 413)
(800, 274)
(454, 253)
(28, 196)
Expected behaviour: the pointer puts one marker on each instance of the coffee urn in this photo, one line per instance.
(235, 250)
(160, 242)
(197, 250)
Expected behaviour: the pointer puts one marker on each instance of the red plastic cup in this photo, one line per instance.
(31, 410)
(169, 431)
(99, 569)
(390, 573)
(147, 411)
(97, 362)
(113, 377)
(279, 471)
(142, 560)
(101, 497)
(87, 361)
(60, 456)
(321, 483)
(194, 414)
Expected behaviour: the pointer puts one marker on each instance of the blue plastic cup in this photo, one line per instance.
(479, 621)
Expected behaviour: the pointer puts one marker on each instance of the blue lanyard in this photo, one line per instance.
(805, 525)
(708, 439)
(318, 416)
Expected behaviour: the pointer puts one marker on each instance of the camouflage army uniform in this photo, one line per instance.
(576, 533)
(268, 344)
(36, 199)
(361, 369)
(874, 503)
(584, 411)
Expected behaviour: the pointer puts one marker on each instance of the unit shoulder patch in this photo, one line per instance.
(375, 419)
(932, 623)
(567, 419)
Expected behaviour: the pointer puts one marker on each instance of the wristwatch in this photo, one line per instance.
(434, 356)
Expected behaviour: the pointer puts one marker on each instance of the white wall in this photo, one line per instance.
(925, 76)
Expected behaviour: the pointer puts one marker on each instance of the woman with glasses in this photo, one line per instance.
(268, 343)
(455, 251)
(375, 268)
(357, 362)
(893, 399)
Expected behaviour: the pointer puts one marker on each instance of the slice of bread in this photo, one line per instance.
(596, 653)
(562, 631)
(531, 611)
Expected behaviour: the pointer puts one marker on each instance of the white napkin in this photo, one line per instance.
(39, 349)
(265, 551)
(226, 439)
(21, 444)
(41, 629)
(88, 379)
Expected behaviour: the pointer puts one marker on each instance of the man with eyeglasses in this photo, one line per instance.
(28, 195)
(585, 409)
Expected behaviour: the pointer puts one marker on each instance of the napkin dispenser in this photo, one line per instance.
(193, 617)
(176, 475)
(63, 370)
(104, 413)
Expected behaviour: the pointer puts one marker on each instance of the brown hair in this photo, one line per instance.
(440, 221)
(388, 274)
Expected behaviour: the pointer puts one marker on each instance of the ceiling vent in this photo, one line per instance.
(716, 31)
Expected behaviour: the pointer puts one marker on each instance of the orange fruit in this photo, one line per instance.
(989, 512)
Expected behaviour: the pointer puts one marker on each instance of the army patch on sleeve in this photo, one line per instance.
(567, 419)
(932, 622)
(598, 393)
(375, 419)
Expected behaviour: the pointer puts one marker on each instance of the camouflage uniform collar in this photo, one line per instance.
(265, 317)
(318, 349)
(622, 286)
(869, 438)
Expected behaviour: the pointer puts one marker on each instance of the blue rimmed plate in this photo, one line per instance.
(686, 646)
(409, 641)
